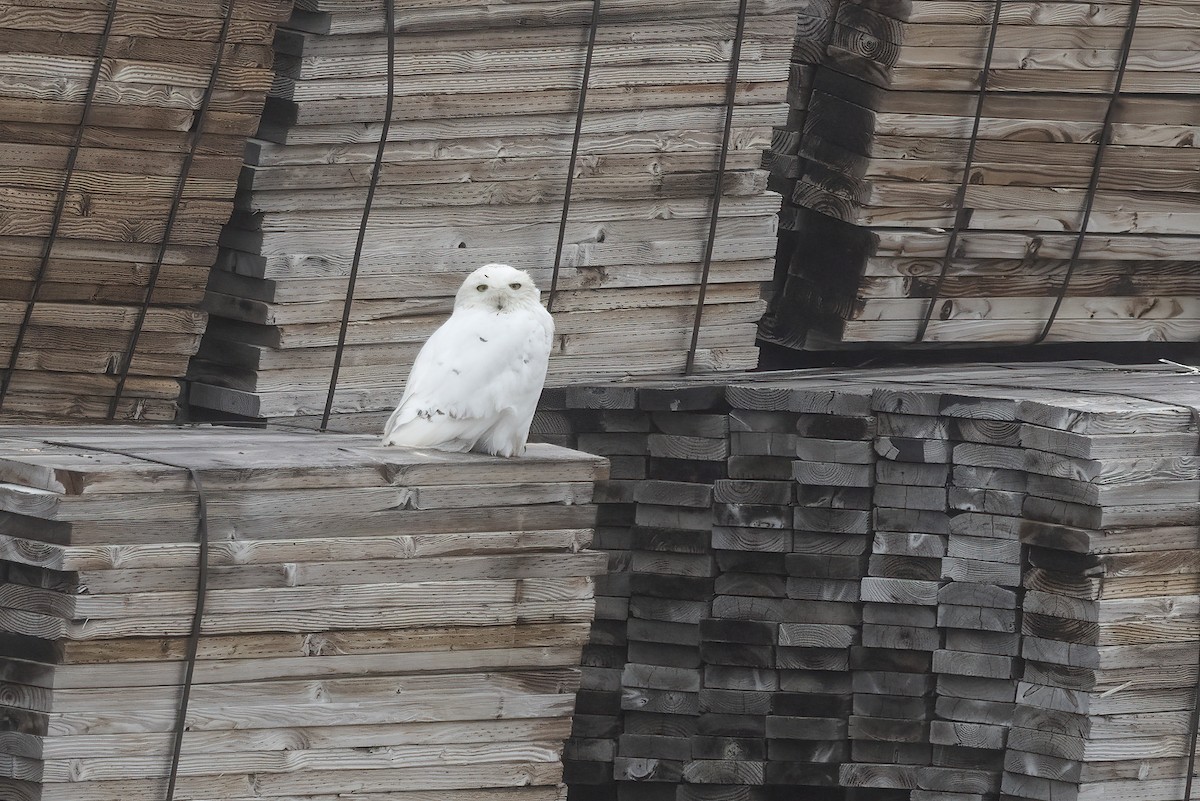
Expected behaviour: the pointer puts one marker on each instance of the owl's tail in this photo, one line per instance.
(409, 428)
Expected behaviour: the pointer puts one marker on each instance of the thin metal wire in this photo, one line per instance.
(60, 204)
(714, 215)
(566, 209)
(1097, 167)
(389, 17)
(193, 641)
(962, 214)
(1194, 718)
(193, 644)
(177, 199)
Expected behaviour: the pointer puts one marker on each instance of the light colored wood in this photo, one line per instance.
(209, 743)
(478, 167)
(112, 606)
(45, 627)
(284, 653)
(583, 300)
(167, 559)
(502, 774)
(519, 178)
(226, 458)
(1006, 331)
(890, 118)
(614, 32)
(127, 167)
(367, 571)
(355, 20)
(235, 505)
(447, 684)
(272, 762)
(348, 70)
(361, 688)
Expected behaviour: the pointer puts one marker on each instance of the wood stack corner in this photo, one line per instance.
(973, 585)
(1104, 708)
(88, 269)
(868, 254)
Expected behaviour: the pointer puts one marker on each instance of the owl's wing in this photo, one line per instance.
(471, 370)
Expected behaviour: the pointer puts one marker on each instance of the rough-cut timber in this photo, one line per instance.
(474, 171)
(877, 182)
(89, 269)
(379, 623)
(973, 584)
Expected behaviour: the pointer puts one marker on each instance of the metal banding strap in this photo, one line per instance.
(389, 21)
(718, 184)
(193, 641)
(566, 209)
(1194, 718)
(1097, 167)
(193, 644)
(962, 214)
(60, 203)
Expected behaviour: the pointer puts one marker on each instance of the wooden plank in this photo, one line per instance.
(883, 147)
(389, 702)
(144, 120)
(656, 75)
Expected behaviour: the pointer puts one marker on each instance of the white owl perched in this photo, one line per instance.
(476, 381)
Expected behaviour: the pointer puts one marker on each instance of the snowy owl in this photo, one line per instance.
(476, 381)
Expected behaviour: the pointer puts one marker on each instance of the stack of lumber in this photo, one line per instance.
(668, 445)
(600, 423)
(977, 665)
(801, 466)
(893, 679)
(113, 200)
(665, 700)
(962, 586)
(945, 517)
(890, 129)
(378, 623)
(814, 29)
(671, 589)
(474, 170)
(1108, 617)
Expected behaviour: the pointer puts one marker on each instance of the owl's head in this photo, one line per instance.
(497, 287)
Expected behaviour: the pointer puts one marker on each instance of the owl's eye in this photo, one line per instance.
(482, 287)
(514, 286)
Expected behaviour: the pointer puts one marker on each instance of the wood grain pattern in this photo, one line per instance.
(117, 198)
(358, 651)
(474, 171)
(888, 118)
(1007, 619)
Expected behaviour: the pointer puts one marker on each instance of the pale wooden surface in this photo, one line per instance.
(354, 634)
(132, 150)
(474, 171)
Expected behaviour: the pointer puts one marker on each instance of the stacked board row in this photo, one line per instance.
(377, 623)
(121, 136)
(474, 169)
(961, 587)
(946, 168)
(647, 714)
